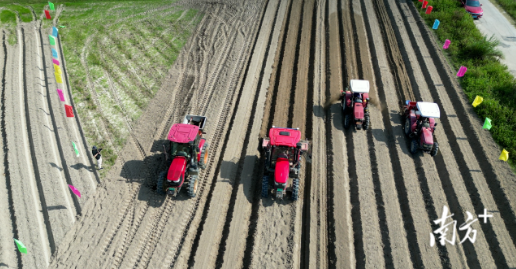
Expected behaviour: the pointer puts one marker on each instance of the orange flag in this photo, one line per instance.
(69, 111)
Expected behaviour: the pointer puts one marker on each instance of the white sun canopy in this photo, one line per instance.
(359, 86)
(429, 110)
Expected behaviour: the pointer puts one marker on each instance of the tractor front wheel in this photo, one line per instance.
(295, 189)
(347, 120)
(434, 150)
(413, 146)
(192, 186)
(265, 187)
(159, 186)
(204, 156)
(407, 126)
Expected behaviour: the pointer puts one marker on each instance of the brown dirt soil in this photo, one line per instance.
(365, 200)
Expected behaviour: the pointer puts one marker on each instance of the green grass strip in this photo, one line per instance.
(486, 76)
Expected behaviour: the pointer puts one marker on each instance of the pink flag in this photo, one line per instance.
(74, 190)
(462, 71)
(56, 62)
(446, 44)
(61, 95)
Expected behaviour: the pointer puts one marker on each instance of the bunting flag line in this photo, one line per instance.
(74, 190)
(21, 246)
(57, 69)
(446, 44)
(462, 71)
(52, 40)
(436, 24)
(54, 31)
(478, 100)
(69, 111)
(487, 124)
(504, 156)
(58, 78)
(54, 53)
(51, 6)
(56, 62)
(61, 95)
(76, 150)
(47, 14)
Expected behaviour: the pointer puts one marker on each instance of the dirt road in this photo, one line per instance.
(365, 200)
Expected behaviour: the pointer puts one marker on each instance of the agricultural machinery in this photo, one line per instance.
(420, 125)
(354, 104)
(188, 152)
(282, 149)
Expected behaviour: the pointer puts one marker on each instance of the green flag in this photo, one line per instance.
(51, 5)
(21, 246)
(52, 40)
(76, 150)
(487, 124)
(62, 26)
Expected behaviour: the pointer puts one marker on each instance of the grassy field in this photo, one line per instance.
(117, 54)
(486, 76)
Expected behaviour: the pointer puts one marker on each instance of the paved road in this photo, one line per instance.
(495, 23)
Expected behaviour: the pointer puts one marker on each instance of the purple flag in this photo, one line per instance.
(56, 62)
(462, 71)
(61, 95)
(74, 190)
(446, 44)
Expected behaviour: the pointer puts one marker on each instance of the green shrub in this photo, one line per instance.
(486, 76)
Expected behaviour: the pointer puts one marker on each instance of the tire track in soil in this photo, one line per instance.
(6, 154)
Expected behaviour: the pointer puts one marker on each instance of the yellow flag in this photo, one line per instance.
(57, 69)
(504, 156)
(58, 78)
(477, 101)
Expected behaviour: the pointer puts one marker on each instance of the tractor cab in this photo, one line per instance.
(420, 123)
(187, 153)
(354, 104)
(283, 149)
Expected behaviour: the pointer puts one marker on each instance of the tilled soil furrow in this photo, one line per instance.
(10, 257)
(415, 220)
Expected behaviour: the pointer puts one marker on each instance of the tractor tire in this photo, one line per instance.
(265, 186)
(295, 189)
(192, 186)
(159, 186)
(204, 156)
(413, 146)
(347, 121)
(406, 127)
(434, 150)
(366, 123)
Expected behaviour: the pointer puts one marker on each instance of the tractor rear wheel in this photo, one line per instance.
(204, 156)
(434, 150)
(295, 189)
(366, 122)
(159, 186)
(192, 186)
(413, 146)
(407, 126)
(265, 186)
(347, 120)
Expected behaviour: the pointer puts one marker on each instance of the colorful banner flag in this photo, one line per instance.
(51, 6)
(61, 95)
(462, 71)
(429, 10)
(47, 14)
(446, 44)
(56, 62)
(57, 69)
(76, 150)
(436, 24)
(69, 111)
(54, 31)
(59, 79)
(54, 53)
(74, 190)
(504, 156)
(487, 124)
(478, 100)
(52, 40)
(21, 246)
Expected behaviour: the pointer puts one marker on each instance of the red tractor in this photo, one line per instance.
(354, 104)
(188, 152)
(420, 125)
(282, 149)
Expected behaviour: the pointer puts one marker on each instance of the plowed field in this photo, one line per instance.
(365, 200)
